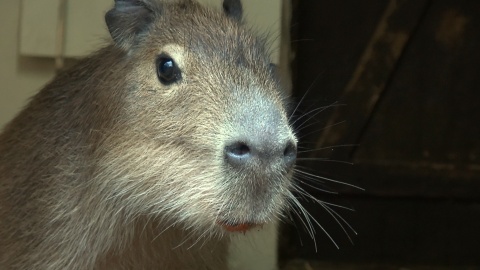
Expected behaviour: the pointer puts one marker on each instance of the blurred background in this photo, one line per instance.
(399, 83)
(389, 101)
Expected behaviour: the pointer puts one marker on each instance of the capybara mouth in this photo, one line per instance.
(237, 227)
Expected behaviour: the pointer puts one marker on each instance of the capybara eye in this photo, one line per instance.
(167, 70)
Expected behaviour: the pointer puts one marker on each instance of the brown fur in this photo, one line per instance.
(108, 169)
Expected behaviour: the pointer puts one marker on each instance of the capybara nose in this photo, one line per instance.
(290, 154)
(244, 153)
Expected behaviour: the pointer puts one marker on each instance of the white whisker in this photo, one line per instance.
(304, 95)
(328, 147)
(329, 211)
(328, 179)
(314, 187)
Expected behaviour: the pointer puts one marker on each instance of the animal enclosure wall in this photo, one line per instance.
(400, 81)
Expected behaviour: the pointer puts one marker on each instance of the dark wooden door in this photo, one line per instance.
(400, 83)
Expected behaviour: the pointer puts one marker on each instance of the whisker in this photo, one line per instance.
(326, 160)
(328, 179)
(301, 190)
(316, 188)
(308, 217)
(309, 178)
(344, 221)
(308, 229)
(290, 217)
(298, 205)
(320, 129)
(304, 95)
(329, 210)
(324, 230)
(335, 205)
(312, 113)
(317, 111)
(306, 135)
(328, 147)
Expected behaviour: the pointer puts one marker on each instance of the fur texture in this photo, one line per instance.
(107, 168)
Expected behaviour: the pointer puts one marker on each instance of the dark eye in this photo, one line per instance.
(167, 70)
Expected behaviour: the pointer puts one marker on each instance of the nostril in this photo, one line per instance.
(238, 149)
(237, 153)
(290, 154)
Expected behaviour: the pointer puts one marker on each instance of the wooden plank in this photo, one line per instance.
(326, 265)
(422, 139)
(417, 179)
(399, 179)
(328, 39)
(430, 110)
(373, 71)
(38, 23)
(419, 149)
(395, 231)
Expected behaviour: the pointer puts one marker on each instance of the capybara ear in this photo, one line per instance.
(129, 18)
(233, 9)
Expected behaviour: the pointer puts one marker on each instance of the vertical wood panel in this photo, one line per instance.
(418, 153)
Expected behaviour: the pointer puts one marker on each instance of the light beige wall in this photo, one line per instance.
(20, 77)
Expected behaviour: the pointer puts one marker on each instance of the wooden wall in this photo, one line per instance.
(401, 83)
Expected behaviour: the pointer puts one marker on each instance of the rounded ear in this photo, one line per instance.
(127, 19)
(233, 9)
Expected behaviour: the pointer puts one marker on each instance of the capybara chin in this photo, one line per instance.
(152, 152)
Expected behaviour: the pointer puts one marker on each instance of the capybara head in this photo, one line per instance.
(202, 138)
